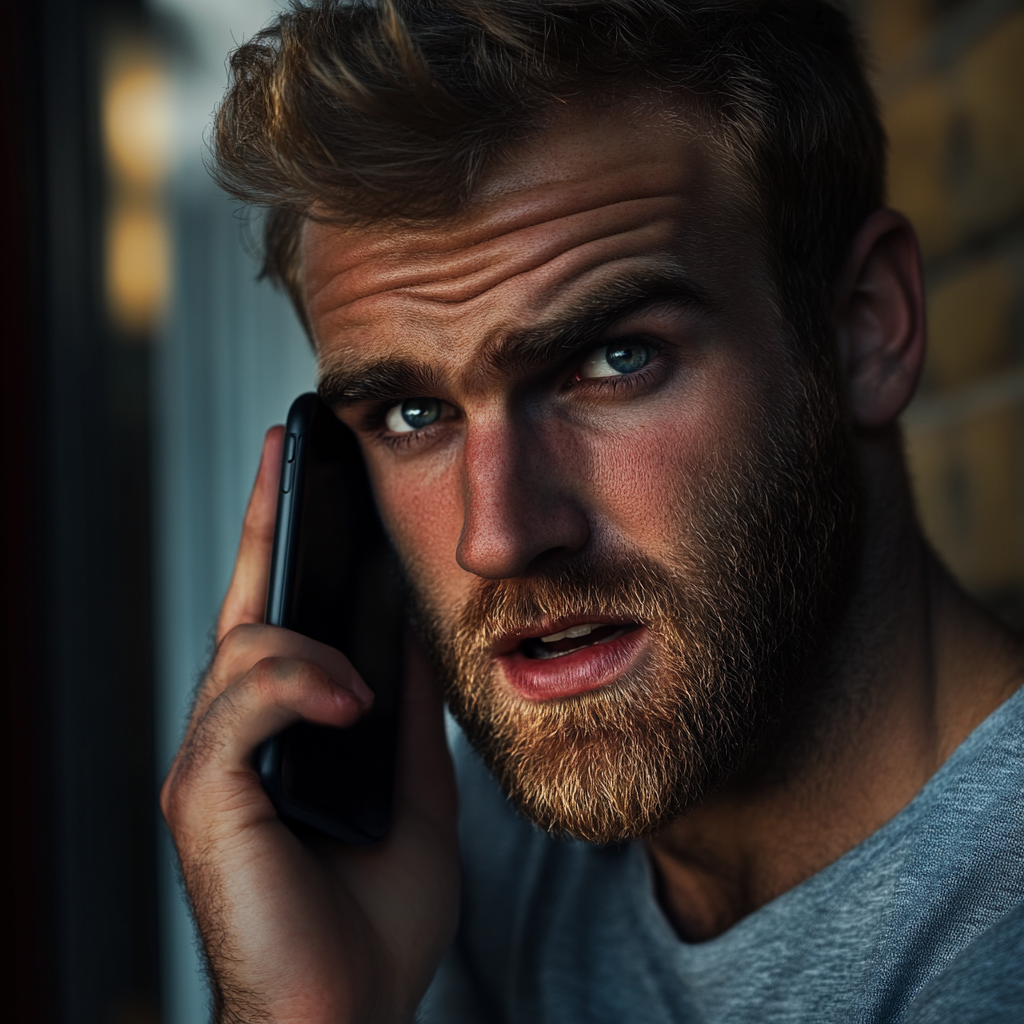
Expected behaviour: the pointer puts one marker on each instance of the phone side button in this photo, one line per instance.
(287, 477)
(289, 448)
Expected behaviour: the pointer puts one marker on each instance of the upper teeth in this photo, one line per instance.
(572, 632)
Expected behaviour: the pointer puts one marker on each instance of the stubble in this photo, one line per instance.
(763, 565)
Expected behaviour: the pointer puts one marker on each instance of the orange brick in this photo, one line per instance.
(969, 320)
(965, 481)
(957, 141)
(894, 29)
(987, 93)
(917, 123)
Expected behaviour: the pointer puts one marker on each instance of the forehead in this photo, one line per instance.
(623, 189)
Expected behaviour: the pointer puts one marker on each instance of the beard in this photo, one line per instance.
(737, 618)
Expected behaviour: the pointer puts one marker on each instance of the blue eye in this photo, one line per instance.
(413, 414)
(616, 359)
(628, 358)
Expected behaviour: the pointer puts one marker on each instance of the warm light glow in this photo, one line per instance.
(137, 122)
(138, 267)
(137, 133)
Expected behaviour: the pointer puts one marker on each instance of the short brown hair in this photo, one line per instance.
(393, 109)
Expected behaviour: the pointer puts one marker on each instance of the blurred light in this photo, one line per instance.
(137, 120)
(138, 141)
(138, 267)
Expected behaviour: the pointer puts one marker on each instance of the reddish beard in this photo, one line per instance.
(764, 568)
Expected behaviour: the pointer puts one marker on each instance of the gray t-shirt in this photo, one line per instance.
(922, 922)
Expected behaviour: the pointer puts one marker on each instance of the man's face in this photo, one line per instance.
(622, 502)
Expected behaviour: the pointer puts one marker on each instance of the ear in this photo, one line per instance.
(880, 316)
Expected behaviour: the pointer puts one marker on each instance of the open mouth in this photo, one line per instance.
(572, 658)
(575, 638)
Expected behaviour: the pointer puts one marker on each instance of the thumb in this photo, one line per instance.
(246, 598)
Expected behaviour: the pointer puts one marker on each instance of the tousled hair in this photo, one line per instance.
(370, 110)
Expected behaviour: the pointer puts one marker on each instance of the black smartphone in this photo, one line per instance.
(334, 578)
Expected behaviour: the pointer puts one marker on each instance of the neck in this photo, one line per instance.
(914, 668)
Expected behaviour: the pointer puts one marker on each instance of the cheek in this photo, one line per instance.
(423, 514)
(637, 482)
(647, 477)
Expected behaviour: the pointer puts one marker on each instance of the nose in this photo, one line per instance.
(521, 501)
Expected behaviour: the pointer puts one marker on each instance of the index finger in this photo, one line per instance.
(246, 598)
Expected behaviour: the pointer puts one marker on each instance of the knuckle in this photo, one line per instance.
(238, 642)
(185, 780)
(235, 656)
(275, 677)
(170, 798)
(166, 799)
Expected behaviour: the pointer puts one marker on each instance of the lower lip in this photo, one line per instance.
(583, 670)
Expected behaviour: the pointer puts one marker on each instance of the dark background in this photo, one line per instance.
(78, 771)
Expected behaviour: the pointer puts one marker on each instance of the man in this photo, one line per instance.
(608, 293)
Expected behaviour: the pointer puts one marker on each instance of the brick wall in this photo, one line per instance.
(950, 75)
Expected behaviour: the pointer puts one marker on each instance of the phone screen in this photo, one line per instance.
(334, 579)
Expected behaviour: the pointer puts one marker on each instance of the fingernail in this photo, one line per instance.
(357, 688)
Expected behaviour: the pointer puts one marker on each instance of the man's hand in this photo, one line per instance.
(296, 932)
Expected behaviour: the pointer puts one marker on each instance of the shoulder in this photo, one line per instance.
(984, 983)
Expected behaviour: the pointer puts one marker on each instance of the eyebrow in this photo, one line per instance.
(345, 381)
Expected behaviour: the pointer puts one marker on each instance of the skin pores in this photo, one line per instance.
(580, 395)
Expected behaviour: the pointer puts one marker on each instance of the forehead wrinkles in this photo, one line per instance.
(523, 284)
(459, 260)
(463, 274)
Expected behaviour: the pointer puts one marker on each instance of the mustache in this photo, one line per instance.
(624, 586)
